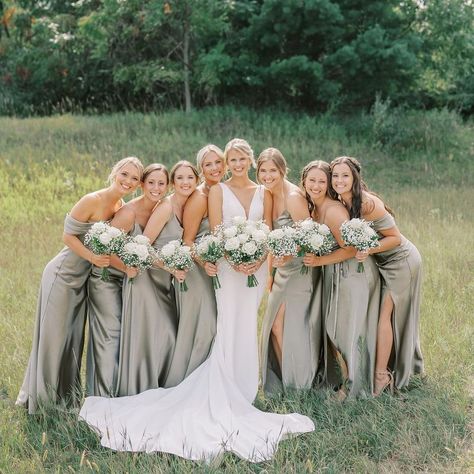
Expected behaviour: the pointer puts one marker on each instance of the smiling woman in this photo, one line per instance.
(197, 307)
(150, 316)
(106, 297)
(53, 372)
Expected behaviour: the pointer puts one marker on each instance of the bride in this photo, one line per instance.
(211, 411)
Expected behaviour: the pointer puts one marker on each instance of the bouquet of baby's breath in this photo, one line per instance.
(177, 256)
(282, 243)
(210, 248)
(103, 239)
(137, 252)
(358, 233)
(313, 238)
(245, 241)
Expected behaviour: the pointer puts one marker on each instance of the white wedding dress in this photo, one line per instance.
(211, 411)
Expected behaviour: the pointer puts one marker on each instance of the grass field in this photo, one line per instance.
(423, 165)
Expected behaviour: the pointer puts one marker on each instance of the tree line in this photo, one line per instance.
(108, 55)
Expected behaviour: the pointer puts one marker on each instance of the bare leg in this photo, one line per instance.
(384, 345)
(277, 334)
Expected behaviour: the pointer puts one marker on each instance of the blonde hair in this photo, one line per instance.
(241, 145)
(275, 155)
(123, 162)
(204, 151)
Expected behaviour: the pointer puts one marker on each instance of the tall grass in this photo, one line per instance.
(47, 164)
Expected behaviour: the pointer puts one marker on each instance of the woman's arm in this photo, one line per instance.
(194, 211)
(214, 204)
(268, 208)
(391, 236)
(333, 220)
(83, 211)
(124, 219)
(160, 216)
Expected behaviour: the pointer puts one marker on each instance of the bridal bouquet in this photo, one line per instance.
(358, 233)
(210, 248)
(103, 239)
(137, 252)
(282, 243)
(245, 241)
(313, 238)
(177, 256)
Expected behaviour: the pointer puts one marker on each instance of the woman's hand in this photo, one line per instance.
(361, 255)
(210, 268)
(100, 261)
(131, 272)
(311, 260)
(180, 275)
(278, 262)
(248, 268)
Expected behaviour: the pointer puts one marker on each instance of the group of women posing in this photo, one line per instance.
(177, 371)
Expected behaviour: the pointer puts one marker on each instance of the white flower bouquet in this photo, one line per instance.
(103, 239)
(245, 241)
(282, 243)
(137, 252)
(314, 238)
(177, 256)
(358, 233)
(210, 248)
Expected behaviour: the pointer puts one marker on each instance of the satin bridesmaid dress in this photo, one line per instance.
(105, 318)
(351, 303)
(197, 315)
(302, 333)
(149, 323)
(53, 372)
(401, 277)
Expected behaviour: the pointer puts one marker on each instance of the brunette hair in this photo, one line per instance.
(241, 145)
(185, 163)
(275, 155)
(123, 162)
(358, 186)
(316, 164)
(156, 167)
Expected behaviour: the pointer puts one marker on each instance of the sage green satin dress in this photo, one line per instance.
(53, 372)
(105, 317)
(302, 331)
(351, 303)
(197, 314)
(149, 324)
(401, 278)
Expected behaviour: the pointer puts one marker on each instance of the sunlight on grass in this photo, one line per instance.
(47, 164)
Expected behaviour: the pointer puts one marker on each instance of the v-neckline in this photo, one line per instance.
(238, 200)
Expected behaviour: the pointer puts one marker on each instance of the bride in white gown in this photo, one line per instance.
(211, 411)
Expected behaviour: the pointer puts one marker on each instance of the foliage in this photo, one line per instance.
(111, 55)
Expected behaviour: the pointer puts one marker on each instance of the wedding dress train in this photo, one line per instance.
(211, 411)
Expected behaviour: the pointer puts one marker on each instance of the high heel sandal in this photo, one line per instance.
(388, 384)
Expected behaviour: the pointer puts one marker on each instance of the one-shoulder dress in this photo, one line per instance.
(53, 372)
(401, 277)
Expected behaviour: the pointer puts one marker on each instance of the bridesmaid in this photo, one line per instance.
(399, 262)
(197, 307)
(350, 299)
(150, 314)
(291, 340)
(105, 297)
(53, 372)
